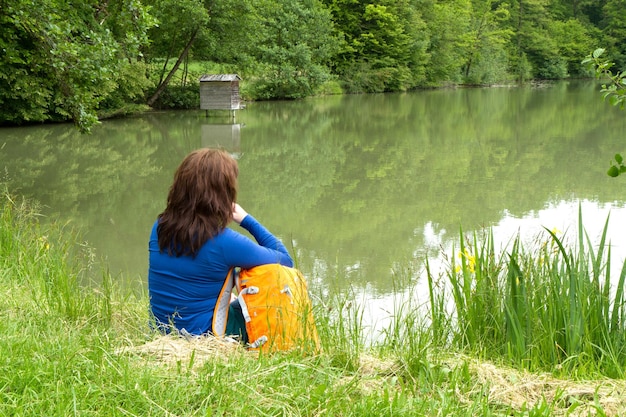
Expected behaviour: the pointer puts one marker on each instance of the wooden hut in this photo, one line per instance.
(220, 92)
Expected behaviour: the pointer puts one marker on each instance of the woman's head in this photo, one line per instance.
(200, 201)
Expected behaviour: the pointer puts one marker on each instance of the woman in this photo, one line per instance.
(192, 250)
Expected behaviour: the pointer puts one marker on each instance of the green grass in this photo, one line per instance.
(545, 308)
(68, 348)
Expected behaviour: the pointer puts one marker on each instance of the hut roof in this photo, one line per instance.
(220, 77)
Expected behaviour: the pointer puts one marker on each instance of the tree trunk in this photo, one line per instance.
(180, 59)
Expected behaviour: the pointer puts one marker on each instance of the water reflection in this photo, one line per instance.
(562, 218)
(226, 136)
(360, 185)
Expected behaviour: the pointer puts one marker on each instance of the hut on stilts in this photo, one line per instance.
(220, 92)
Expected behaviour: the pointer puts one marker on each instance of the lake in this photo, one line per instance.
(361, 188)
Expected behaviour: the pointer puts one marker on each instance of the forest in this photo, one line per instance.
(85, 60)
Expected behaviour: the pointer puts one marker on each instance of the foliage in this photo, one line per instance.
(132, 84)
(573, 39)
(614, 92)
(181, 23)
(447, 47)
(532, 44)
(618, 167)
(292, 63)
(232, 35)
(95, 57)
(62, 60)
(178, 97)
(383, 45)
(486, 60)
(614, 28)
(177, 22)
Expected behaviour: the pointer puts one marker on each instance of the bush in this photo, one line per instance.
(179, 98)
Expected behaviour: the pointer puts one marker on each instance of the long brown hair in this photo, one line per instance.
(200, 201)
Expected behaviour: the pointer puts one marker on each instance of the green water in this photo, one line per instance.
(359, 186)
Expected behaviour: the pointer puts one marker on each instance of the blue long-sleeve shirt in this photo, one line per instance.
(183, 290)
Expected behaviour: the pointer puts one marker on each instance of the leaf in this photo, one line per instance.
(618, 158)
(613, 171)
(598, 52)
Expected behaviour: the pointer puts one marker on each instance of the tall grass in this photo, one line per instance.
(70, 349)
(546, 307)
(39, 264)
(340, 327)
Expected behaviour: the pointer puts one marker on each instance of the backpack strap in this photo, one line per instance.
(220, 313)
(246, 315)
(242, 301)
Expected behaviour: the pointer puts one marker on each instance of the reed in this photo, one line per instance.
(545, 307)
(70, 349)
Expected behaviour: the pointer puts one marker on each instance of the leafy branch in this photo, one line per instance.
(614, 91)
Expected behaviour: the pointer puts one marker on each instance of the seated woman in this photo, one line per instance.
(192, 250)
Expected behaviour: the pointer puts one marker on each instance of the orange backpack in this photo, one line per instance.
(276, 306)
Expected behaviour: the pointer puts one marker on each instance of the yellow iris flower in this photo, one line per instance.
(470, 260)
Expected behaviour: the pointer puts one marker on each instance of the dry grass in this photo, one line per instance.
(519, 390)
(511, 388)
(505, 387)
(172, 350)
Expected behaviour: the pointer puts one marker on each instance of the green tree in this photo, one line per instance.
(564, 10)
(181, 22)
(129, 22)
(535, 53)
(614, 27)
(449, 25)
(384, 45)
(573, 40)
(487, 41)
(62, 60)
(294, 44)
(232, 33)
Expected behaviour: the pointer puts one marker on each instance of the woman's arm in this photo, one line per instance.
(269, 249)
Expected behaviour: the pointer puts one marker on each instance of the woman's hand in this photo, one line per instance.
(238, 213)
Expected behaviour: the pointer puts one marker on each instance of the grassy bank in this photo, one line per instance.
(67, 348)
(547, 307)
